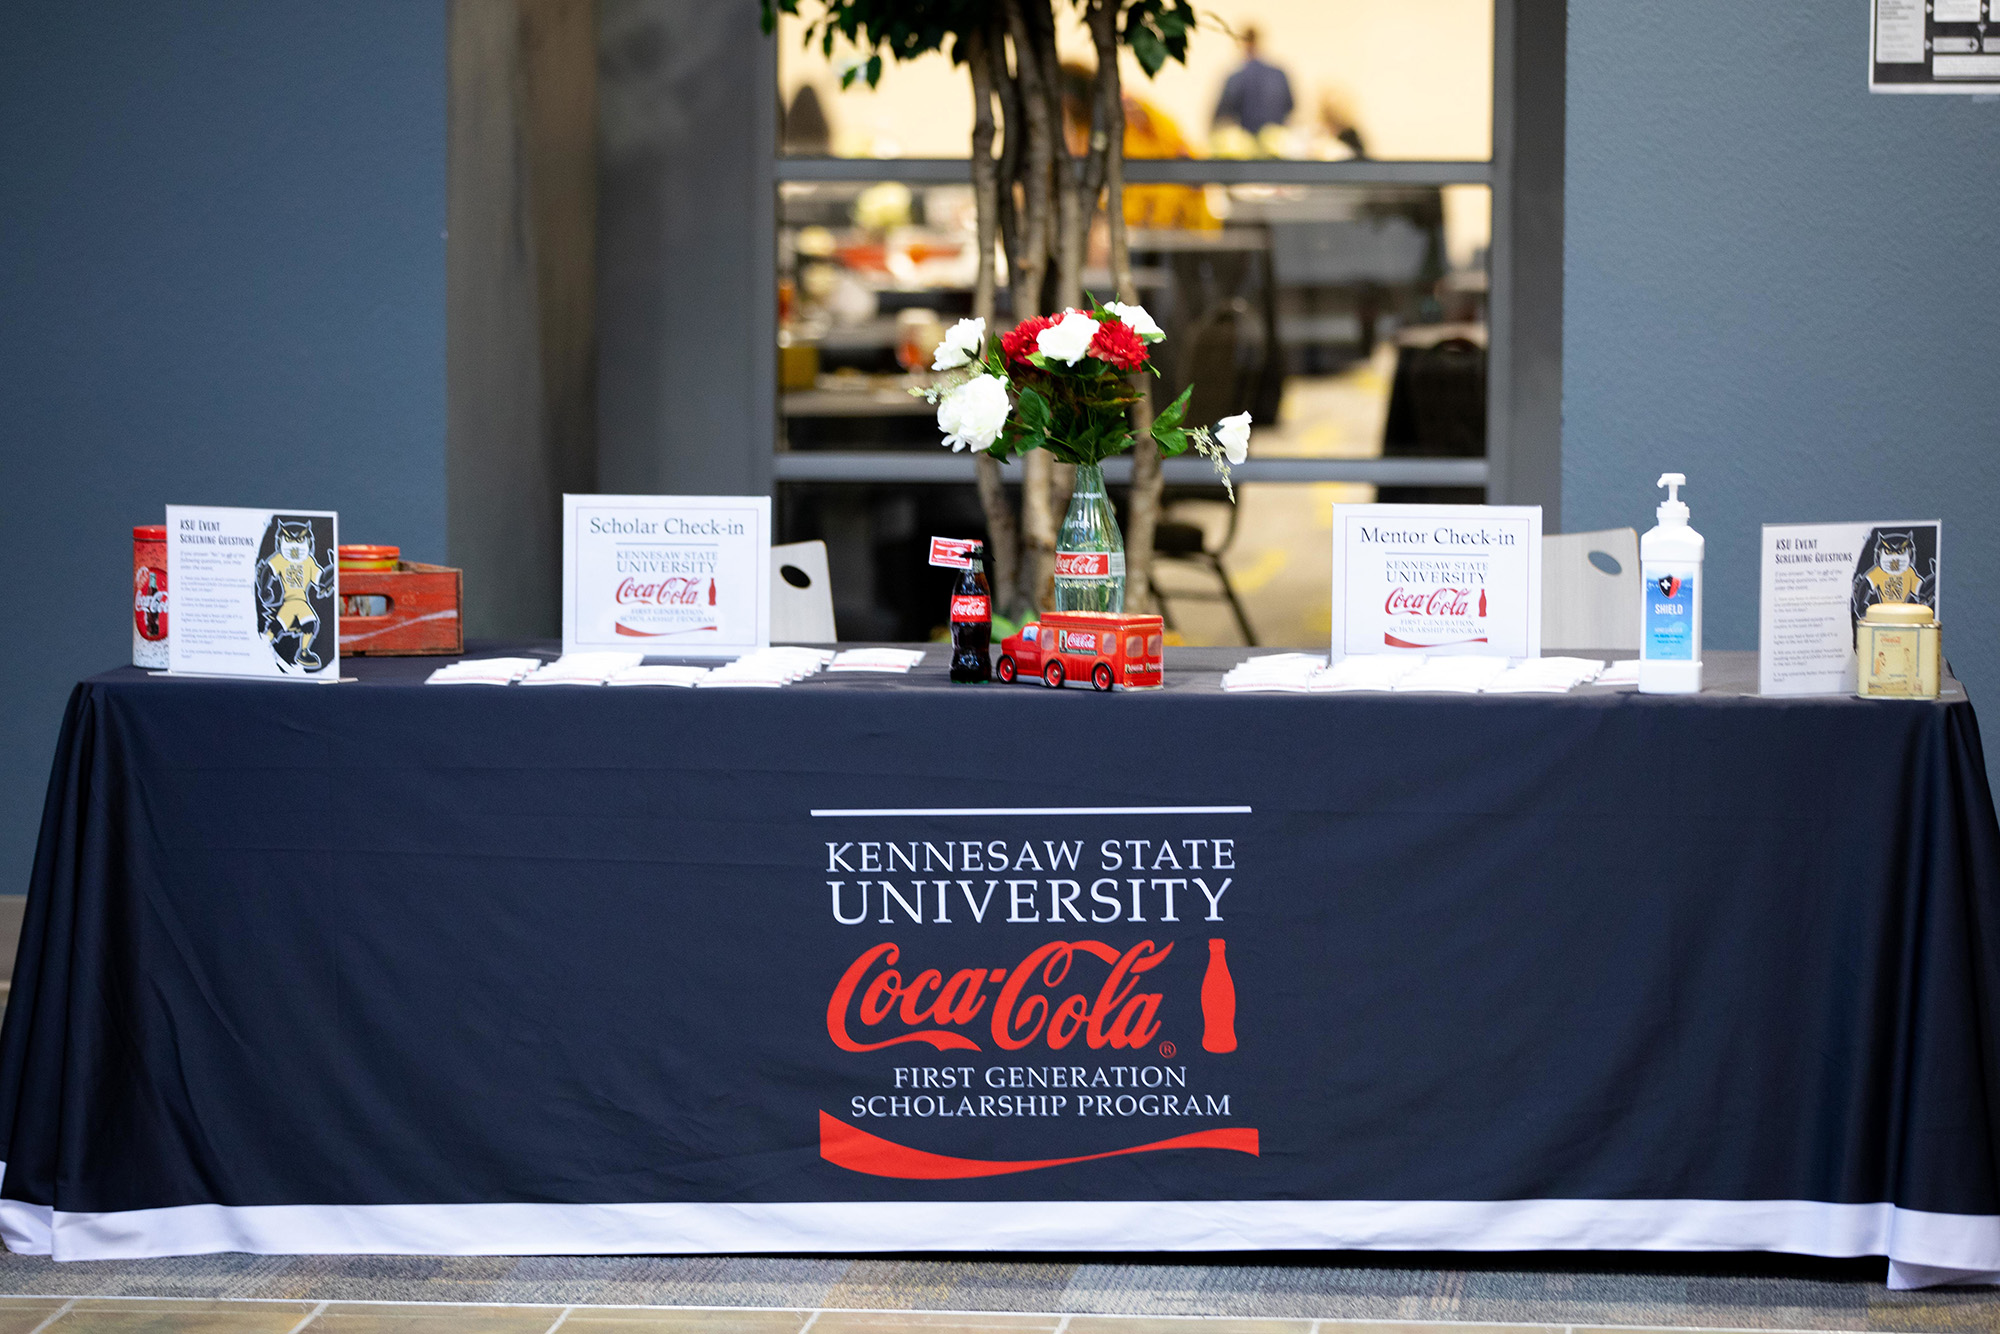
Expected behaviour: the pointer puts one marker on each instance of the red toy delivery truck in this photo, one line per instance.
(1109, 650)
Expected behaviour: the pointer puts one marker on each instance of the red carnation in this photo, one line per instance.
(1117, 344)
(1019, 342)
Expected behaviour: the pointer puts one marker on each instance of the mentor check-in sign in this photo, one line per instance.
(1437, 579)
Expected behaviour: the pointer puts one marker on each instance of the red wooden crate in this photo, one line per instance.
(422, 616)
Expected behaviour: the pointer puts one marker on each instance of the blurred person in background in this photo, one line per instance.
(1149, 133)
(1257, 96)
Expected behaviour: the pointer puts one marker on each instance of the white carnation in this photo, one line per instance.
(1068, 338)
(1137, 320)
(972, 414)
(960, 346)
(1233, 434)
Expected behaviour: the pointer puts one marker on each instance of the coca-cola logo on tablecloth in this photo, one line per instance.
(1018, 1004)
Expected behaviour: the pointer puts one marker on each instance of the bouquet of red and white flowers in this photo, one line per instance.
(1063, 383)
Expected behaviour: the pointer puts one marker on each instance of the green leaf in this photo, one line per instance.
(1151, 52)
(1172, 441)
(1033, 411)
(1172, 415)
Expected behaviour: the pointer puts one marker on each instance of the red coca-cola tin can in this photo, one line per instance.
(149, 595)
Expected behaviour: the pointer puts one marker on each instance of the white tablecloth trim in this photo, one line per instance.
(1923, 1248)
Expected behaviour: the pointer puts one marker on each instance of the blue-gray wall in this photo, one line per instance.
(1786, 288)
(221, 282)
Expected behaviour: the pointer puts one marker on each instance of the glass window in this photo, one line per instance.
(1387, 79)
(1342, 304)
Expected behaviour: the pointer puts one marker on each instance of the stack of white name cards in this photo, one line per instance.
(1366, 671)
(483, 672)
(768, 668)
(898, 660)
(1453, 674)
(658, 675)
(1545, 676)
(582, 669)
(1622, 673)
(1282, 673)
(765, 667)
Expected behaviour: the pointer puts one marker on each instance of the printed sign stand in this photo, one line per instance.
(1819, 579)
(256, 593)
(1437, 579)
(674, 576)
(1934, 46)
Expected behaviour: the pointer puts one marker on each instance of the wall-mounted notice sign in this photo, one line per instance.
(1818, 580)
(1934, 46)
(1437, 579)
(256, 592)
(677, 576)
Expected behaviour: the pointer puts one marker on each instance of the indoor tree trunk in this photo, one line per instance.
(1003, 535)
(1142, 510)
(1037, 78)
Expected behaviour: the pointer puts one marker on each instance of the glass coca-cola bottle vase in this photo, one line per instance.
(1090, 550)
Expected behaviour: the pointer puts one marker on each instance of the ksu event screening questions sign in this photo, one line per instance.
(673, 576)
(1443, 579)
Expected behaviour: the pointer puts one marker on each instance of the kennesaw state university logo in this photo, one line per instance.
(1065, 1002)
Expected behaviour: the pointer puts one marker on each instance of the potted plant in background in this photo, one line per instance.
(1034, 202)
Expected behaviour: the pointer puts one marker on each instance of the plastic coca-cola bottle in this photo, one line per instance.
(972, 623)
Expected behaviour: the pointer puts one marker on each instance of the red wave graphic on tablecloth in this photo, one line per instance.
(1394, 642)
(856, 1150)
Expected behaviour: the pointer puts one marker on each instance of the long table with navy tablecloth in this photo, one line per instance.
(874, 963)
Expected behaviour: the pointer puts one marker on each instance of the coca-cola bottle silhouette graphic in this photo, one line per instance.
(1218, 1002)
(711, 591)
(1482, 602)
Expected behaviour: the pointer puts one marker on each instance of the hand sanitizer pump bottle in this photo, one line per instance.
(1670, 615)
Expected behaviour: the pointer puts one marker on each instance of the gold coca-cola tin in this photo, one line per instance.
(1897, 652)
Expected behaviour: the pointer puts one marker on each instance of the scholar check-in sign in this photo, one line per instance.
(680, 576)
(1452, 579)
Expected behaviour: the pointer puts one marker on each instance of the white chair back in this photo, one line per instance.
(1590, 590)
(801, 594)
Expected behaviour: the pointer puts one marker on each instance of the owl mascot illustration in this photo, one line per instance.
(1894, 575)
(287, 582)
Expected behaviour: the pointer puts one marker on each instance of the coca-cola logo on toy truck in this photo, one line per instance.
(1076, 641)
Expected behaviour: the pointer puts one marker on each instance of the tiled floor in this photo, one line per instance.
(113, 1315)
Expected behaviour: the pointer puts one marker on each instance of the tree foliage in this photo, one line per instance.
(898, 29)
(1156, 30)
